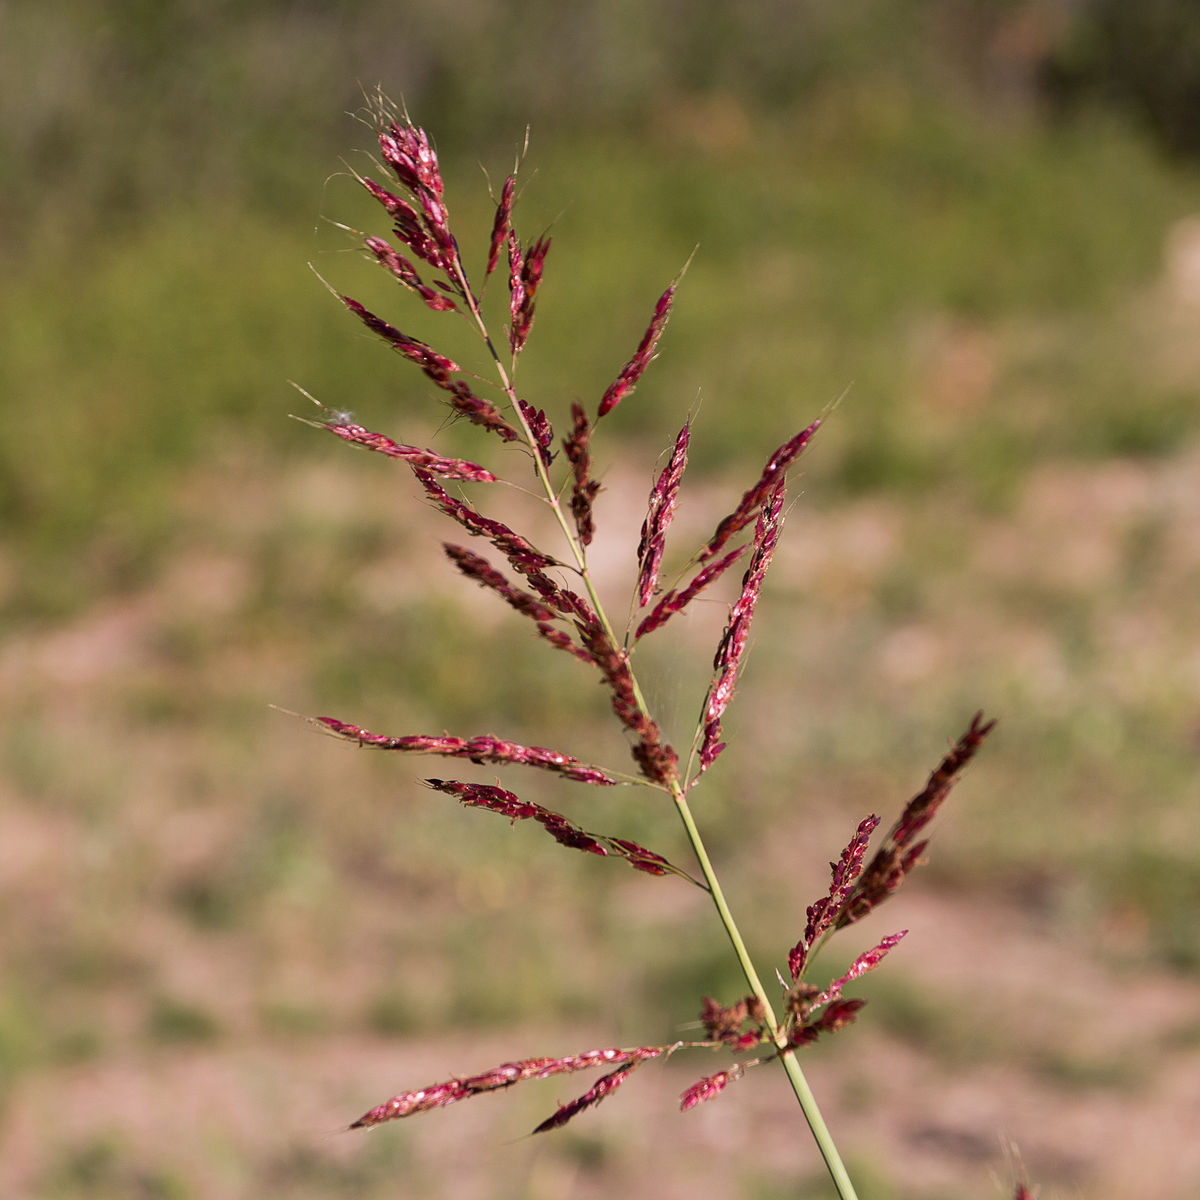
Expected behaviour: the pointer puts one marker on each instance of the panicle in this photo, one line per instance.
(567, 620)
(656, 757)
(525, 277)
(747, 509)
(476, 567)
(437, 366)
(659, 517)
(633, 370)
(519, 552)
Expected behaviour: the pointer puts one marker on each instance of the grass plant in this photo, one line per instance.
(554, 594)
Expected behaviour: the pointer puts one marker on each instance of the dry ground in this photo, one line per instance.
(188, 980)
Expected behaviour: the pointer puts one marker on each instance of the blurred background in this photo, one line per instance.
(224, 936)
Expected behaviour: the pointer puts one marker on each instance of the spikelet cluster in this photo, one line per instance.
(553, 595)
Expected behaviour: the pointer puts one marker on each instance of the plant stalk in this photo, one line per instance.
(787, 1056)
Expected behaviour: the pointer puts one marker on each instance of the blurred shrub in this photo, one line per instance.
(1143, 58)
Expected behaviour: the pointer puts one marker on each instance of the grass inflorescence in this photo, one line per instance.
(556, 595)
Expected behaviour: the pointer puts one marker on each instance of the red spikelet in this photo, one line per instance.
(584, 488)
(435, 464)
(633, 370)
(709, 1087)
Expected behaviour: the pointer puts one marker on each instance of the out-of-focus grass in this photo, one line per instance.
(854, 254)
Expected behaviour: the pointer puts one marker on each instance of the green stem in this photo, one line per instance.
(804, 1094)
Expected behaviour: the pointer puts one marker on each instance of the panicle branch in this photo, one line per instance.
(440, 370)
(733, 643)
(407, 150)
(677, 600)
(540, 430)
(867, 961)
(409, 226)
(812, 1011)
(752, 501)
(426, 460)
(728, 1025)
(633, 370)
(506, 1075)
(498, 800)
(822, 914)
(436, 366)
(900, 851)
(475, 566)
(832, 1019)
(659, 517)
(483, 748)
(600, 1090)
